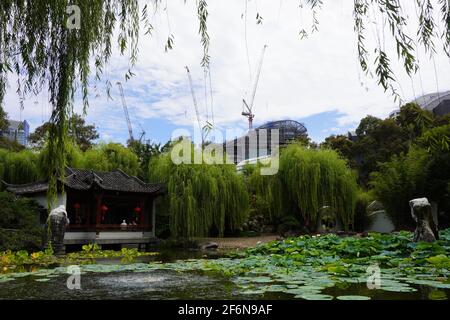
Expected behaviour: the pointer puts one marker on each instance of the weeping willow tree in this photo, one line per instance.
(111, 156)
(18, 167)
(73, 157)
(307, 181)
(202, 199)
(43, 46)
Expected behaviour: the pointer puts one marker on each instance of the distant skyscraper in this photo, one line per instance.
(17, 131)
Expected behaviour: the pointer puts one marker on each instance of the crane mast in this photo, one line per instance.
(248, 110)
(125, 110)
(195, 101)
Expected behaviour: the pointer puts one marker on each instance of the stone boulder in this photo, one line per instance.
(58, 221)
(210, 246)
(426, 229)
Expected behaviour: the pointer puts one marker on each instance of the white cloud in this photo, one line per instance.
(299, 78)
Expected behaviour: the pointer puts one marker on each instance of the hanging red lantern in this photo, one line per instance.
(137, 211)
(103, 209)
(76, 206)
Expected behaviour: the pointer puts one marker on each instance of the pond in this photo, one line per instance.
(169, 284)
(379, 267)
(174, 274)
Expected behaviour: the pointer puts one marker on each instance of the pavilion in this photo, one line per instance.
(107, 208)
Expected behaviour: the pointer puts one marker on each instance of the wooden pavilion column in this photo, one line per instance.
(142, 204)
(153, 216)
(98, 205)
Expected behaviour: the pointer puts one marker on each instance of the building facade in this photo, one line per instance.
(18, 131)
(438, 103)
(258, 144)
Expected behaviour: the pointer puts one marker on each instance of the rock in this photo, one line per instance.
(421, 212)
(58, 221)
(210, 246)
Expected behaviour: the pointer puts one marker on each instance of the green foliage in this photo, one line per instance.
(83, 135)
(73, 157)
(111, 156)
(19, 224)
(145, 151)
(341, 144)
(3, 119)
(202, 199)
(414, 120)
(400, 180)
(93, 251)
(361, 220)
(17, 261)
(18, 167)
(11, 145)
(308, 180)
(436, 140)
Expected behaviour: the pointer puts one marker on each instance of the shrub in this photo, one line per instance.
(308, 180)
(400, 180)
(19, 224)
(202, 199)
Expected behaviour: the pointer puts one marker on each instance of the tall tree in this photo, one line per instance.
(3, 119)
(82, 134)
(144, 151)
(54, 42)
(111, 156)
(414, 120)
(307, 181)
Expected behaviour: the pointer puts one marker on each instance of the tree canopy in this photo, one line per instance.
(3, 119)
(111, 156)
(202, 199)
(307, 181)
(82, 134)
(42, 44)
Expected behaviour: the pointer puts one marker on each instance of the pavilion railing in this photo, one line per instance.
(108, 227)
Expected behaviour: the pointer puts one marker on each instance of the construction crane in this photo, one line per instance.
(248, 107)
(125, 110)
(195, 102)
(142, 132)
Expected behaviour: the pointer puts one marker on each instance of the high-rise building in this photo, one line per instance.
(17, 131)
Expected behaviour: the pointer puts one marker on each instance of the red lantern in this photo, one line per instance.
(137, 211)
(77, 206)
(103, 209)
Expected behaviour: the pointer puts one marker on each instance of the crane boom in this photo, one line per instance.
(249, 106)
(195, 101)
(255, 86)
(125, 110)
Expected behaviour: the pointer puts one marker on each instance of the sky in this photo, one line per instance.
(316, 81)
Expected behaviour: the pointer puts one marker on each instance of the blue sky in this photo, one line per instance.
(316, 81)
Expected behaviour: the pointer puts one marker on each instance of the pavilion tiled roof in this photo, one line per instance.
(82, 179)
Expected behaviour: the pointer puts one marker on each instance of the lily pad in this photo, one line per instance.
(274, 288)
(398, 289)
(352, 298)
(262, 280)
(315, 297)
